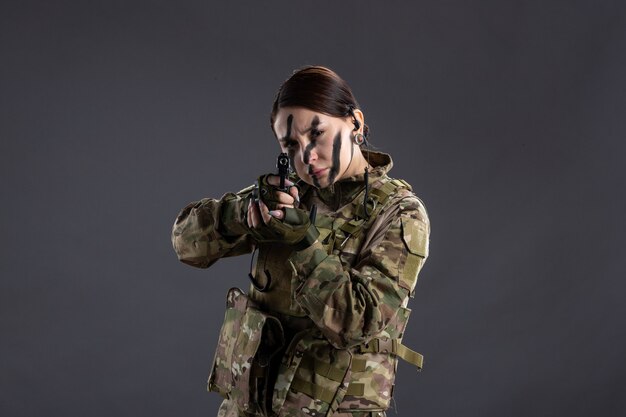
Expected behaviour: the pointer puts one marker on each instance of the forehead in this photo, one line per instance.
(301, 120)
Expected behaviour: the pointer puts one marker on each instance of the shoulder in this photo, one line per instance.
(403, 201)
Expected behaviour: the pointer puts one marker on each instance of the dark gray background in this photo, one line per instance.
(507, 118)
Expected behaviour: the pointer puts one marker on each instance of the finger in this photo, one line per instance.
(278, 214)
(265, 212)
(255, 216)
(275, 181)
(282, 206)
(294, 192)
(284, 198)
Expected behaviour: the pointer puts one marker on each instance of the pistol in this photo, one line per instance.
(284, 169)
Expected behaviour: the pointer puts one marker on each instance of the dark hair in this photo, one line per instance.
(319, 89)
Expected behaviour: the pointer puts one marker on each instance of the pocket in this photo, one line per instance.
(247, 341)
(313, 378)
(415, 238)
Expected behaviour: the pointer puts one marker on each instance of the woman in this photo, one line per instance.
(339, 246)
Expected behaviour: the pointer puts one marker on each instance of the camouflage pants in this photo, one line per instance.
(227, 409)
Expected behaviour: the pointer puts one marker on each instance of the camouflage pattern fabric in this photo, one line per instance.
(209, 229)
(248, 339)
(228, 409)
(295, 230)
(347, 291)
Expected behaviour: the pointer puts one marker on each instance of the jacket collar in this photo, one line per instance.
(344, 191)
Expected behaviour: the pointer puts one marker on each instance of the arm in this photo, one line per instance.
(209, 229)
(351, 306)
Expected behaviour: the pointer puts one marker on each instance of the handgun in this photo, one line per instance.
(283, 164)
(284, 169)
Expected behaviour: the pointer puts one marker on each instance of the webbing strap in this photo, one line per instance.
(352, 226)
(409, 355)
(324, 394)
(314, 391)
(356, 389)
(394, 347)
(358, 365)
(322, 368)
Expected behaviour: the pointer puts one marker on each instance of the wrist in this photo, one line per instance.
(309, 238)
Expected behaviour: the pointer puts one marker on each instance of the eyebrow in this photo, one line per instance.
(314, 125)
(287, 139)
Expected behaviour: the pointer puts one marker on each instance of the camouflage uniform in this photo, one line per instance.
(335, 311)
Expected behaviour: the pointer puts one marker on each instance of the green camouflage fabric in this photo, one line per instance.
(336, 299)
(295, 230)
(324, 388)
(210, 229)
(248, 339)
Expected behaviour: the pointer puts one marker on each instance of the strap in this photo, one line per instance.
(409, 355)
(314, 391)
(395, 347)
(322, 368)
(358, 365)
(324, 394)
(356, 389)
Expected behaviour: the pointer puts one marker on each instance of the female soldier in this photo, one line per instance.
(339, 250)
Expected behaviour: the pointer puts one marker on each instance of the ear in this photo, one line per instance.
(358, 114)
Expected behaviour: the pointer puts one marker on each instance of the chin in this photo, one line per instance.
(322, 183)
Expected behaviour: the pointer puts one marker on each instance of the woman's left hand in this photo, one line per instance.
(277, 200)
(294, 229)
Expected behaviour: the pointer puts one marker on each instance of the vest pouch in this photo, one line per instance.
(312, 379)
(247, 341)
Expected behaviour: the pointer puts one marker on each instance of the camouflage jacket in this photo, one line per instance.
(348, 292)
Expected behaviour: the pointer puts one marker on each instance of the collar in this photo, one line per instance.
(342, 192)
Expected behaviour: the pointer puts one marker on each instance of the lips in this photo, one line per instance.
(317, 172)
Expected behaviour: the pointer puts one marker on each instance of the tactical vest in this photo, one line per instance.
(362, 377)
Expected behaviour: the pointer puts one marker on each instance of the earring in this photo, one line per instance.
(358, 138)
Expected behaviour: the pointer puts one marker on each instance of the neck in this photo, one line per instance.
(358, 164)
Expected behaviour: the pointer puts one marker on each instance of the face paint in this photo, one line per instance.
(313, 143)
(289, 122)
(334, 170)
(314, 149)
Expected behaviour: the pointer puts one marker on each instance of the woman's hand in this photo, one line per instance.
(259, 214)
(283, 223)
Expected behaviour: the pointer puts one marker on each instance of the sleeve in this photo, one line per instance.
(352, 306)
(210, 229)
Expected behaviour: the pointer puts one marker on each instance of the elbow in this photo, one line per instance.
(345, 330)
(190, 252)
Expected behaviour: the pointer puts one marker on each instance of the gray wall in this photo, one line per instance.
(507, 117)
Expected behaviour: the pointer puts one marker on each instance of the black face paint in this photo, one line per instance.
(334, 170)
(286, 138)
(307, 151)
(314, 123)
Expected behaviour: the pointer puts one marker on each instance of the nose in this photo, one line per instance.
(309, 155)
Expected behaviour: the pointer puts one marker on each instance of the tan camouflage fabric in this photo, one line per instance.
(342, 302)
(248, 340)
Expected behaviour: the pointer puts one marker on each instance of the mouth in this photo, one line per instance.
(317, 172)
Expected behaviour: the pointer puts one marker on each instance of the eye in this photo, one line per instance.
(316, 133)
(291, 144)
